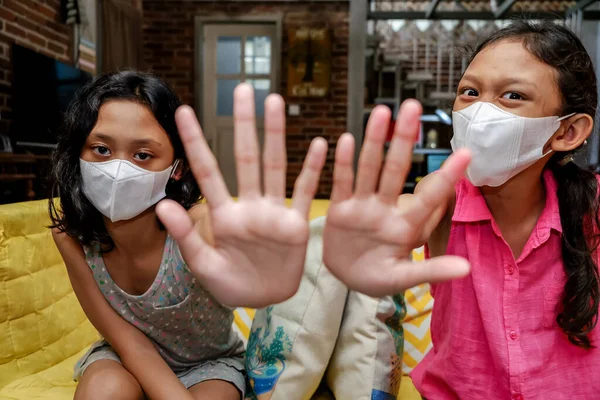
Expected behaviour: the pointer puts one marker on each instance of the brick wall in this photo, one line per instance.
(34, 24)
(168, 52)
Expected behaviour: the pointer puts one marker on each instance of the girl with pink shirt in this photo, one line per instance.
(523, 221)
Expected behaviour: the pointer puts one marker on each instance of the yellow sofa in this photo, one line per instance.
(43, 330)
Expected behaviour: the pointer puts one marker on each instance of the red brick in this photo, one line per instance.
(36, 39)
(26, 24)
(17, 6)
(58, 28)
(58, 49)
(14, 30)
(7, 15)
(48, 11)
(312, 130)
(322, 122)
(52, 34)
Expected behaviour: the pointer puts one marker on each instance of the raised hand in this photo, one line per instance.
(260, 243)
(370, 234)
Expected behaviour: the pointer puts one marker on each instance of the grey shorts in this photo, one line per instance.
(224, 369)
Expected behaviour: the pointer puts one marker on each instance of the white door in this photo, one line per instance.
(234, 53)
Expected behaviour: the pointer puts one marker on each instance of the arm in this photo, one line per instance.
(138, 354)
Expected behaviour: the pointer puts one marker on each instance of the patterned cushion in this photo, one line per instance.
(417, 336)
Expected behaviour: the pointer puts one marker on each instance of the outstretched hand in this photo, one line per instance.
(260, 243)
(369, 235)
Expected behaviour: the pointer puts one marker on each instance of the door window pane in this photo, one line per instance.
(258, 46)
(262, 88)
(258, 65)
(229, 55)
(258, 55)
(225, 88)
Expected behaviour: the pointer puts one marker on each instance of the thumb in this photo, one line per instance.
(179, 224)
(434, 270)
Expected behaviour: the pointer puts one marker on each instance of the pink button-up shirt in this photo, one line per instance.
(494, 332)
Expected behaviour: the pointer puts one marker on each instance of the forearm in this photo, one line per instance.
(155, 377)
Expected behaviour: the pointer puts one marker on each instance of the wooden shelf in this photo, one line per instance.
(16, 177)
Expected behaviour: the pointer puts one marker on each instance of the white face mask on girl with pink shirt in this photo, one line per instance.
(503, 144)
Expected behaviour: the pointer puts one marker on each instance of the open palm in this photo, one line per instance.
(369, 235)
(260, 243)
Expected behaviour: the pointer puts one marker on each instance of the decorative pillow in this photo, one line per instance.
(367, 361)
(417, 335)
(291, 343)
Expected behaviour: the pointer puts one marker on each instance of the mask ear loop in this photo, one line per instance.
(175, 165)
(565, 117)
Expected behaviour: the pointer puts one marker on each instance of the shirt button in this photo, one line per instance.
(513, 336)
(510, 270)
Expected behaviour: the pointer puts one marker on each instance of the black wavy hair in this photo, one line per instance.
(560, 48)
(76, 216)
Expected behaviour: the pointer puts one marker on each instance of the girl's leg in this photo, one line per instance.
(215, 390)
(108, 380)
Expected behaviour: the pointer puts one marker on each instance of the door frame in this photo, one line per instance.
(199, 23)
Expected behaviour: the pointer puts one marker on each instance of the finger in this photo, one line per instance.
(399, 156)
(274, 155)
(246, 142)
(343, 173)
(308, 180)
(202, 161)
(437, 269)
(439, 188)
(371, 154)
(181, 228)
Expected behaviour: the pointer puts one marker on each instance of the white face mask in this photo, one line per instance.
(120, 189)
(503, 144)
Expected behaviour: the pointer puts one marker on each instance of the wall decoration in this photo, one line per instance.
(309, 67)
(87, 36)
(69, 10)
(88, 20)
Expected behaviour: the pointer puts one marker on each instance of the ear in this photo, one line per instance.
(575, 130)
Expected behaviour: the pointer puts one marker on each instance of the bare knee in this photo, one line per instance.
(215, 390)
(107, 379)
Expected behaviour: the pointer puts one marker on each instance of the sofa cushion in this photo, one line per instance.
(41, 322)
(417, 336)
(43, 330)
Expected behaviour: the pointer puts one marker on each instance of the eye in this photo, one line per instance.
(141, 156)
(512, 96)
(469, 92)
(102, 150)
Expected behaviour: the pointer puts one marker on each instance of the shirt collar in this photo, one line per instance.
(471, 205)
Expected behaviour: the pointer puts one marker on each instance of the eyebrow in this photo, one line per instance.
(506, 81)
(517, 81)
(472, 78)
(138, 142)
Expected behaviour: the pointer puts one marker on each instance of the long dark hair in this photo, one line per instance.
(577, 192)
(76, 215)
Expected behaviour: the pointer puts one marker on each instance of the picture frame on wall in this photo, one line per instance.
(309, 64)
(87, 37)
